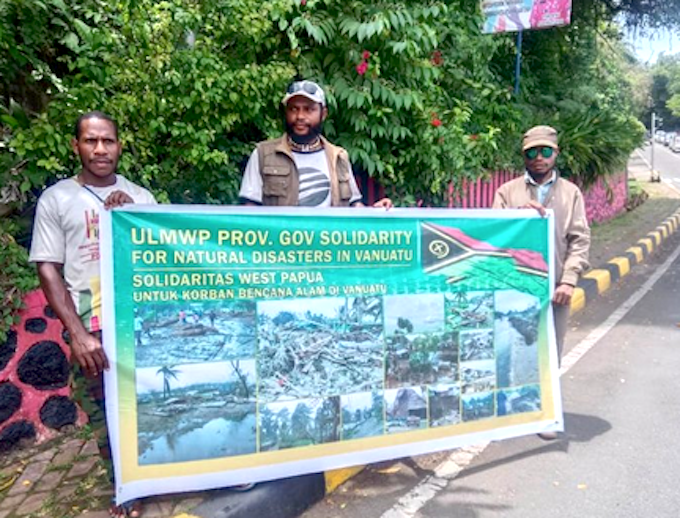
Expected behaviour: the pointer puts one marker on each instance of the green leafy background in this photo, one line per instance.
(195, 84)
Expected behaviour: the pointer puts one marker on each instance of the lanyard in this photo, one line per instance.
(84, 186)
(93, 193)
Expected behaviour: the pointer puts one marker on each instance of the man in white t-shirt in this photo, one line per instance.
(302, 168)
(65, 247)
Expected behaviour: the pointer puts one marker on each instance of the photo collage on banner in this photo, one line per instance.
(195, 380)
(225, 378)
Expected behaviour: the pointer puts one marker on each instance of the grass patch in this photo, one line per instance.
(84, 433)
(59, 467)
(85, 497)
(85, 494)
(634, 187)
(51, 507)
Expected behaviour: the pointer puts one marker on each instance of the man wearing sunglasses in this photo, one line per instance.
(542, 188)
(302, 168)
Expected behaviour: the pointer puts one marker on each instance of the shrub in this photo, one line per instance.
(417, 95)
(17, 276)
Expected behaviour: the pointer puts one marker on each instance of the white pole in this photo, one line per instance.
(653, 178)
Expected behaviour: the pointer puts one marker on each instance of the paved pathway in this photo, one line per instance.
(65, 479)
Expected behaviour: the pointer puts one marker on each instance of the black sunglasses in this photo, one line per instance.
(545, 151)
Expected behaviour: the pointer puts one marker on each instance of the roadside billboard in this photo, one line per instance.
(520, 15)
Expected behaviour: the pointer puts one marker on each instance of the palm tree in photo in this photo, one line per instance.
(169, 372)
(242, 377)
(461, 299)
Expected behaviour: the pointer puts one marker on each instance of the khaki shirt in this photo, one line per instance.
(572, 232)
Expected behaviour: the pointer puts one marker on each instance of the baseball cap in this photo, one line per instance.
(540, 136)
(308, 89)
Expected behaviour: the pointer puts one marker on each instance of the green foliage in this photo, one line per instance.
(666, 91)
(594, 109)
(384, 65)
(643, 13)
(674, 104)
(416, 94)
(17, 277)
(192, 85)
(195, 85)
(597, 142)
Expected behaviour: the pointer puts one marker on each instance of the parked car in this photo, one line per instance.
(675, 143)
(659, 136)
(670, 136)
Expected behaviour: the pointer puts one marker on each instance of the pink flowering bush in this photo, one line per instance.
(606, 198)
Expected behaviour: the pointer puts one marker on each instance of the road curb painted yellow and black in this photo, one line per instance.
(597, 281)
(288, 498)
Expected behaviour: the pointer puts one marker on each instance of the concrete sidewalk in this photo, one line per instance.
(65, 479)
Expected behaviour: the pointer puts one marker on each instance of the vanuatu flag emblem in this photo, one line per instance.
(463, 259)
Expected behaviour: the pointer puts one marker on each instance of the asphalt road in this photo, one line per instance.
(619, 456)
(665, 161)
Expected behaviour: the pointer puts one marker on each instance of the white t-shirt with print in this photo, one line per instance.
(66, 231)
(315, 180)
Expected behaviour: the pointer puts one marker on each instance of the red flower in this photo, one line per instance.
(303, 2)
(437, 58)
(474, 137)
(362, 67)
(366, 54)
(436, 122)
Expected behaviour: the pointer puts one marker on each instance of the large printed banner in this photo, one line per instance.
(517, 15)
(254, 344)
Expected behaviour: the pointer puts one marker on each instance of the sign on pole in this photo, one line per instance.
(519, 15)
(249, 345)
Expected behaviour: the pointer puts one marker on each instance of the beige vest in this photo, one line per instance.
(281, 180)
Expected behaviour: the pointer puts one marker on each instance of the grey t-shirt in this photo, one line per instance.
(66, 231)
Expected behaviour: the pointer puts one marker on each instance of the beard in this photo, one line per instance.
(539, 176)
(314, 133)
